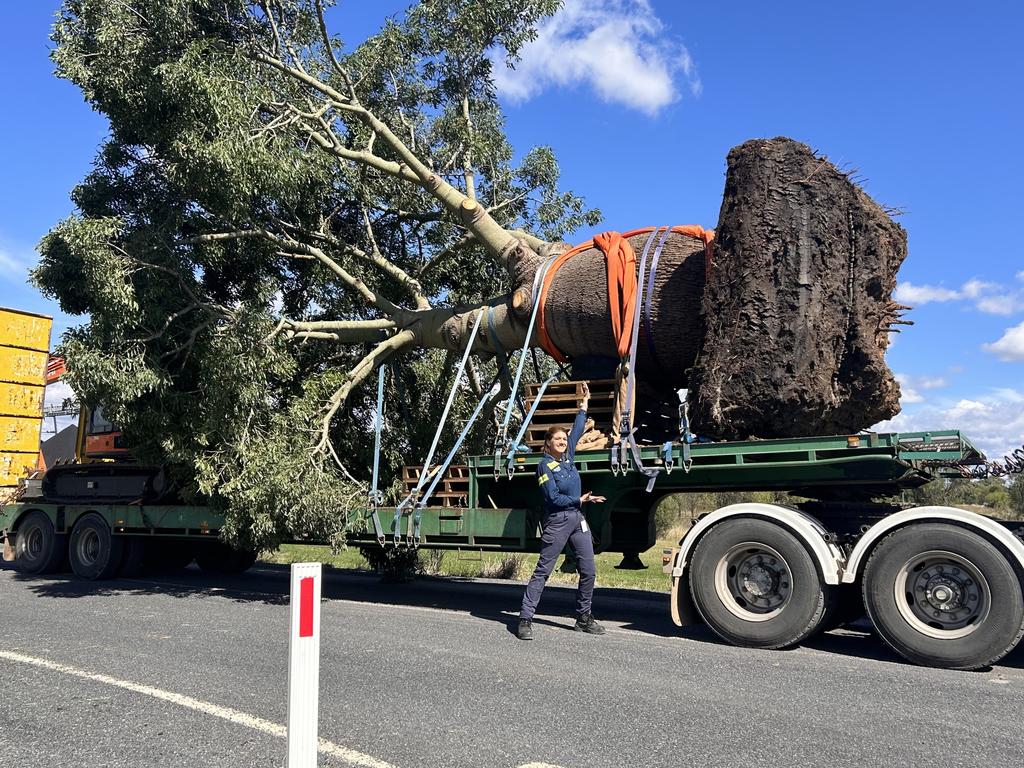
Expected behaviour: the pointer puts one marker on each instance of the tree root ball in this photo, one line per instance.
(797, 309)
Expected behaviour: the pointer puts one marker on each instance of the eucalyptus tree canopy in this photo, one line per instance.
(276, 214)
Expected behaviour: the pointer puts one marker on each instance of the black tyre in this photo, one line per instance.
(218, 557)
(943, 596)
(38, 549)
(134, 554)
(167, 555)
(755, 585)
(95, 553)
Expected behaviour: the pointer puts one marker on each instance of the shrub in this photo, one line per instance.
(507, 568)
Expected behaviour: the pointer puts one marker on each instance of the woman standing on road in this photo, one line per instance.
(563, 522)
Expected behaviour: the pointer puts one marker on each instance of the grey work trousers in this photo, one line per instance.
(556, 529)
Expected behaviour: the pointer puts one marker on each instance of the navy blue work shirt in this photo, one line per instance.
(559, 481)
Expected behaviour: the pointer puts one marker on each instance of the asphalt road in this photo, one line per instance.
(191, 671)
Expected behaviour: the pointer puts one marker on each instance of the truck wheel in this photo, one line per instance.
(38, 549)
(756, 586)
(218, 557)
(95, 553)
(943, 596)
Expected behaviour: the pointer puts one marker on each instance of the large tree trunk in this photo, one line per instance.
(785, 338)
(579, 320)
(798, 308)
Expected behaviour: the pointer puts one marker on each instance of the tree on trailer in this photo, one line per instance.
(275, 217)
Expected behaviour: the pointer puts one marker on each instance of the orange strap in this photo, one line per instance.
(620, 261)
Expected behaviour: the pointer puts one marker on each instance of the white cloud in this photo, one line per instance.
(993, 422)
(1010, 347)
(911, 386)
(990, 298)
(617, 47)
(972, 289)
(907, 392)
(1020, 275)
(1000, 305)
(11, 268)
(924, 294)
(932, 382)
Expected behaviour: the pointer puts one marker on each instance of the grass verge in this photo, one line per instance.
(511, 565)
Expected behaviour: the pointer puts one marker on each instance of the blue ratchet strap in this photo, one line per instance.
(647, 304)
(650, 473)
(667, 458)
(511, 467)
(501, 440)
(618, 453)
(685, 436)
(409, 500)
(494, 391)
(378, 423)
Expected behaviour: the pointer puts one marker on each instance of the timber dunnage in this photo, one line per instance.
(451, 491)
(558, 407)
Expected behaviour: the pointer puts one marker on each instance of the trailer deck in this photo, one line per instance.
(502, 511)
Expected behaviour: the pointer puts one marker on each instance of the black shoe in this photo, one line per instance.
(525, 631)
(586, 623)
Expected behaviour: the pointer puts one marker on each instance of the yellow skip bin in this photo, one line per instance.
(15, 465)
(20, 399)
(25, 330)
(19, 434)
(22, 366)
(24, 341)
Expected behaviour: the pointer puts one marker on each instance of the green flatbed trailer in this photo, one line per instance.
(942, 586)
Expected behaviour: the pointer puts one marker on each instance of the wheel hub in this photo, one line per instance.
(759, 581)
(34, 542)
(943, 594)
(753, 581)
(88, 547)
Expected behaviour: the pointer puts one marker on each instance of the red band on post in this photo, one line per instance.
(306, 607)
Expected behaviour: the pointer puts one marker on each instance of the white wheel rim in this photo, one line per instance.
(753, 581)
(942, 594)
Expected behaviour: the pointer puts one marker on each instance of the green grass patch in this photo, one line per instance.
(474, 564)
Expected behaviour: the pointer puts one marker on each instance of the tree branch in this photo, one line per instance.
(377, 356)
(467, 211)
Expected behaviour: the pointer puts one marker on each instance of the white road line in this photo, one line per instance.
(539, 765)
(225, 713)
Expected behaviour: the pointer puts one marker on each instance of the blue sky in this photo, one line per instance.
(641, 102)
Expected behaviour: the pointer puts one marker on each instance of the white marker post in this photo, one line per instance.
(304, 665)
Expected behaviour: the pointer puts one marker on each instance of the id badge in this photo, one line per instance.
(583, 525)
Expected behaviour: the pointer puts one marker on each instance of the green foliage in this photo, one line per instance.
(178, 341)
(1016, 493)
(992, 493)
(679, 510)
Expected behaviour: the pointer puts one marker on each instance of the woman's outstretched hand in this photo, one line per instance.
(590, 496)
(586, 396)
